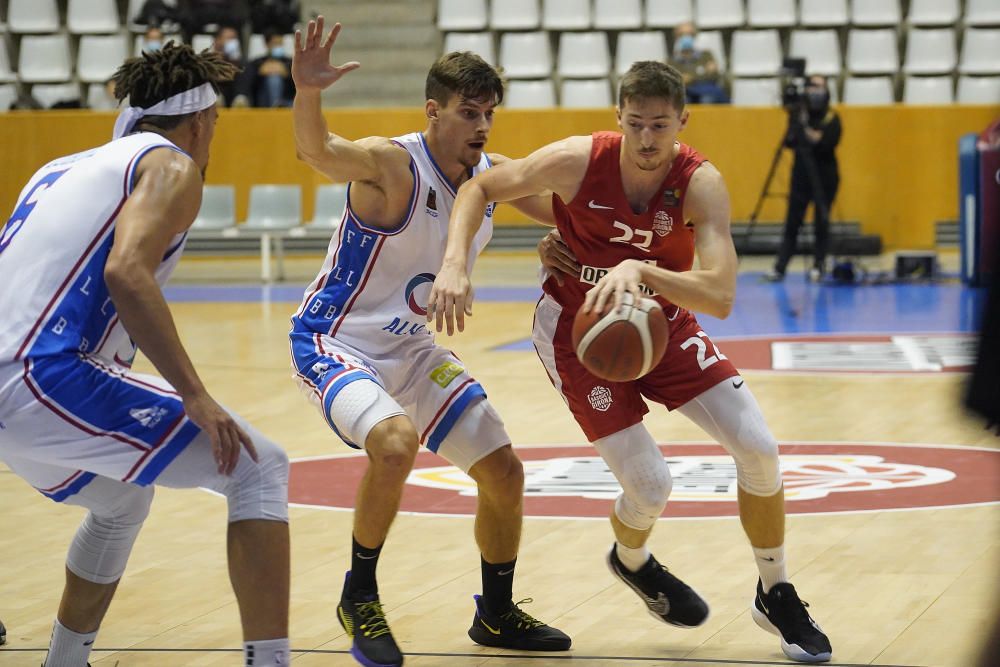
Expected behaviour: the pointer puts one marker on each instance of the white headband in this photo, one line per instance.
(189, 101)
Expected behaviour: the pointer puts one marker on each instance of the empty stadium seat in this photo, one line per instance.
(930, 51)
(928, 90)
(50, 94)
(978, 90)
(585, 94)
(461, 14)
(8, 95)
(822, 13)
(525, 55)
(872, 51)
(100, 56)
(771, 13)
(218, 208)
(32, 16)
(933, 12)
(514, 15)
(98, 98)
(873, 13)
(92, 16)
(480, 43)
(44, 58)
(710, 14)
(201, 42)
(274, 211)
(755, 53)
(6, 73)
(668, 13)
(530, 95)
(634, 46)
(868, 90)
(711, 40)
(617, 14)
(331, 198)
(980, 51)
(982, 12)
(566, 14)
(756, 92)
(820, 48)
(584, 54)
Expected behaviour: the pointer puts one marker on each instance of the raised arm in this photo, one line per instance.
(337, 158)
(164, 204)
(554, 169)
(708, 289)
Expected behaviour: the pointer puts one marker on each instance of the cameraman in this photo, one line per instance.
(813, 133)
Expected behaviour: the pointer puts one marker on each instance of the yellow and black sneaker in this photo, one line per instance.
(362, 617)
(515, 628)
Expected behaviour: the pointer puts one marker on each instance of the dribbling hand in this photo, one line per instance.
(226, 435)
(311, 68)
(625, 277)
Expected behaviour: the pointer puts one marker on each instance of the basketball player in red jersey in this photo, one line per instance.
(633, 209)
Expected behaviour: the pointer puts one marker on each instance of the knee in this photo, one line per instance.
(272, 461)
(392, 446)
(501, 474)
(758, 471)
(131, 507)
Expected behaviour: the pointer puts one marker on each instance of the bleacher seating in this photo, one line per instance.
(585, 94)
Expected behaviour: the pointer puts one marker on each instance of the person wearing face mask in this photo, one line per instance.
(702, 80)
(227, 43)
(153, 39)
(267, 81)
(813, 133)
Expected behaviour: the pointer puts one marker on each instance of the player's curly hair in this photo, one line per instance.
(154, 76)
(466, 74)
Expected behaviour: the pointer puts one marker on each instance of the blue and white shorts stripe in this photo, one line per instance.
(69, 417)
(430, 384)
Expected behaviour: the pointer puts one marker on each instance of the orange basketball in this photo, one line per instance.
(624, 344)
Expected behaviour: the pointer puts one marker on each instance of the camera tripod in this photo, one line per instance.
(795, 132)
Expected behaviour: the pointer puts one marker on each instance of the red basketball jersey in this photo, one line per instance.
(601, 229)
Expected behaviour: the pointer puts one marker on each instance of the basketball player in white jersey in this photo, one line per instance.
(83, 257)
(361, 349)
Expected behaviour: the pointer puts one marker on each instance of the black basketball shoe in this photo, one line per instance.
(3, 634)
(781, 612)
(362, 617)
(515, 628)
(667, 598)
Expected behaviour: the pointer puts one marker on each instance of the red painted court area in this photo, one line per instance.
(572, 481)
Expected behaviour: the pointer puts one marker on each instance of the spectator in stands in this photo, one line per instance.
(813, 133)
(267, 81)
(151, 41)
(278, 15)
(195, 15)
(157, 13)
(227, 42)
(702, 79)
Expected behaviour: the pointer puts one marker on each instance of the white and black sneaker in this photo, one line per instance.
(667, 598)
(780, 611)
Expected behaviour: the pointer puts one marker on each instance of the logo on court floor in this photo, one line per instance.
(574, 482)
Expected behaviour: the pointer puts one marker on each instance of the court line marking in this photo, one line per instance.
(509, 656)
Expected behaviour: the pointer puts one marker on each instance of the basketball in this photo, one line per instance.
(624, 344)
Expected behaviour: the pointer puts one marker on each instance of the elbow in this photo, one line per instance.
(725, 305)
(121, 276)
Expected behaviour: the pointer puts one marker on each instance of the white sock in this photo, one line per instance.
(68, 648)
(267, 653)
(771, 565)
(631, 558)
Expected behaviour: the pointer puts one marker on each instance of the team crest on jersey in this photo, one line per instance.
(663, 224)
(490, 208)
(431, 204)
(600, 398)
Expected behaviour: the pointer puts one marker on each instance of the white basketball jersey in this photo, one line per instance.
(53, 250)
(373, 288)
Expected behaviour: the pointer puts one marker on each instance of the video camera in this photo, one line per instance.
(793, 78)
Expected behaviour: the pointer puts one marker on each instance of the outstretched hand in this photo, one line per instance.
(311, 68)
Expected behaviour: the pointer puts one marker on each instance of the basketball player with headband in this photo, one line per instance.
(91, 242)
(632, 210)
